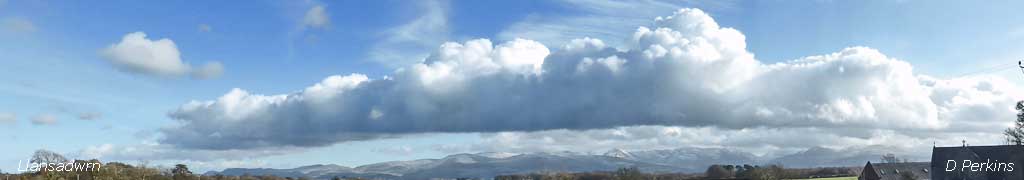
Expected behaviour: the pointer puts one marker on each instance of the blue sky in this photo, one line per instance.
(53, 67)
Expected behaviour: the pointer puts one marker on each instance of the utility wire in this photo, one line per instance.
(992, 69)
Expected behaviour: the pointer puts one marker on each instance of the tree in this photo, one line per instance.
(768, 172)
(46, 156)
(908, 176)
(890, 158)
(181, 171)
(744, 171)
(717, 172)
(631, 173)
(1015, 135)
(43, 156)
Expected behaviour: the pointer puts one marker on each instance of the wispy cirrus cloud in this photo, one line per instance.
(17, 24)
(308, 17)
(8, 118)
(44, 119)
(89, 116)
(148, 152)
(395, 150)
(158, 152)
(605, 20)
(412, 41)
(204, 28)
(316, 17)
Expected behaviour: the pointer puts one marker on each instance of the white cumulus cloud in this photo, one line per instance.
(684, 72)
(138, 54)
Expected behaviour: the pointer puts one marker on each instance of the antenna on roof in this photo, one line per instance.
(1021, 66)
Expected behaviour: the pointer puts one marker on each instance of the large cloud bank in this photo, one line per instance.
(684, 71)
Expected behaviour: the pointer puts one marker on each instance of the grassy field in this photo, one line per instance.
(834, 178)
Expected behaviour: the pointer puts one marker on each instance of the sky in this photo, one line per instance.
(283, 84)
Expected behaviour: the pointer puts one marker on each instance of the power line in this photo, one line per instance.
(991, 69)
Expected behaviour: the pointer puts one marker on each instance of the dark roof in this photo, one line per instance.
(980, 154)
(920, 170)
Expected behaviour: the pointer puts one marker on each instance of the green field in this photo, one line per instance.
(834, 178)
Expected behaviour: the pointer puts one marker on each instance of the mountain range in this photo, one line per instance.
(490, 164)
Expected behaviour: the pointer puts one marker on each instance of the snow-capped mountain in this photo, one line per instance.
(474, 165)
(619, 153)
(691, 158)
(490, 164)
(497, 154)
(852, 156)
(308, 171)
(481, 165)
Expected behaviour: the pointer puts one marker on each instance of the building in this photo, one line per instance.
(955, 163)
(977, 162)
(895, 171)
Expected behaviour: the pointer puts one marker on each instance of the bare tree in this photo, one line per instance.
(46, 156)
(1015, 135)
(890, 158)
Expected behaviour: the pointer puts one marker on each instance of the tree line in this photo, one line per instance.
(746, 171)
(123, 171)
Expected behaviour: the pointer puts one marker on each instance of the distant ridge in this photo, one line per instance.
(490, 164)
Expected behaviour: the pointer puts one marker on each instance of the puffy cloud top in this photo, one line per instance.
(685, 71)
(137, 54)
